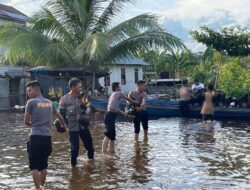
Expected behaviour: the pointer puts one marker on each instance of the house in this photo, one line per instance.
(126, 71)
(10, 14)
(12, 80)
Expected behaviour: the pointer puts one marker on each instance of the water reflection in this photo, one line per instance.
(202, 133)
(179, 154)
(141, 162)
(81, 178)
(223, 156)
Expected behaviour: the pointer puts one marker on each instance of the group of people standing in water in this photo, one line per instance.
(203, 96)
(73, 116)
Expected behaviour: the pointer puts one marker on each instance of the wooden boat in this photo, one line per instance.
(162, 108)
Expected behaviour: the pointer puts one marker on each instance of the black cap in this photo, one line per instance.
(33, 83)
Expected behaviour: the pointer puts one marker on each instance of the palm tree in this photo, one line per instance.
(82, 32)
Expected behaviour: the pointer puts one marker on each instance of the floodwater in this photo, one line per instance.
(179, 154)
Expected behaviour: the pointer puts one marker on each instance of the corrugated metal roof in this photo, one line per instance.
(10, 13)
(82, 70)
(11, 72)
(131, 61)
(14, 15)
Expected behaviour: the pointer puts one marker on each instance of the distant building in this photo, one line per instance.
(126, 71)
(12, 80)
(10, 14)
(58, 77)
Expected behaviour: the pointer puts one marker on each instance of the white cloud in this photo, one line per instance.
(192, 10)
(180, 16)
(28, 7)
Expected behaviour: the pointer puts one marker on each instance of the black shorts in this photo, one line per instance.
(109, 121)
(141, 117)
(39, 149)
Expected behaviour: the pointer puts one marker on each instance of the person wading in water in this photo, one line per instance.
(140, 113)
(38, 116)
(70, 108)
(110, 117)
(208, 107)
(185, 96)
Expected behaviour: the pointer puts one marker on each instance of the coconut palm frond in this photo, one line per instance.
(80, 32)
(67, 13)
(134, 26)
(46, 22)
(143, 42)
(208, 54)
(55, 54)
(94, 48)
(27, 45)
(9, 31)
(114, 8)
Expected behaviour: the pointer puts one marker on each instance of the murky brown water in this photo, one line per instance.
(178, 155)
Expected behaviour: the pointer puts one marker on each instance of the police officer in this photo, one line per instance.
(38, 116)
(70, 106)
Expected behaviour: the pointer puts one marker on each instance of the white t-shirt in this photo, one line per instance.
(197, 87)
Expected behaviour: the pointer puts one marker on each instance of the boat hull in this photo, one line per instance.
(161, 108)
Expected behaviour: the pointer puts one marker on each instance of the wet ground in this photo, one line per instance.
(179, 154)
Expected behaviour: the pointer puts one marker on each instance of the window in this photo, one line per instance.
(136, 75)
(123, 76)
(107, 78)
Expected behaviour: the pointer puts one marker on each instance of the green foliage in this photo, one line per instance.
(205, 72)
(178, 63)
(184, 63)
(157, 61)
(82, 32)
(234, 79)
(232, 41)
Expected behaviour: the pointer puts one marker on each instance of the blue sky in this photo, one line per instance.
(176, 16)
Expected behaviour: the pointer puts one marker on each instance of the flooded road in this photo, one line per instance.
(179, 154)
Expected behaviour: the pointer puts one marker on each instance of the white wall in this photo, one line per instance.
(115, 76)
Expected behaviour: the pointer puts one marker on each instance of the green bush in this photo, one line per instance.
(234, 79)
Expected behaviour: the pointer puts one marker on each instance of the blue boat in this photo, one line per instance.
(163, 108)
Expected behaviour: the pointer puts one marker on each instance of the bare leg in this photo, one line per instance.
(36, 178)
(203, 119)
(136, 136)
(145, 135)
(43, 177)
(111, 146)
(105, 143)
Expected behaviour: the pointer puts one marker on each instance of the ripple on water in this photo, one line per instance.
(179, 154)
